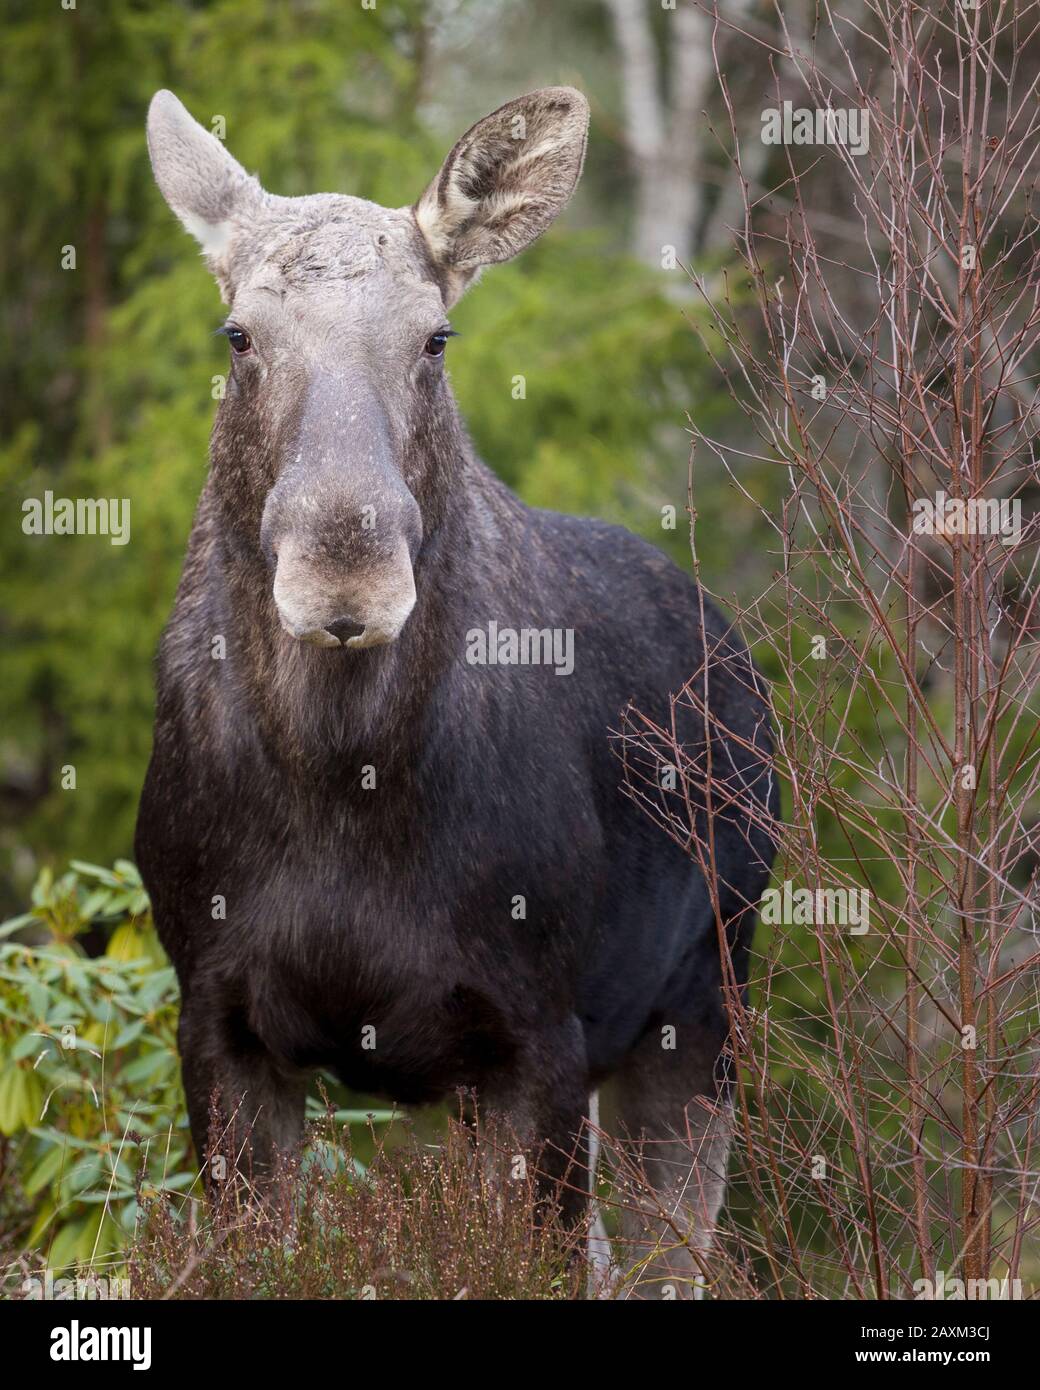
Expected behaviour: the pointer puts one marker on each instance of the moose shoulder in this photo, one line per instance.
(428, 873)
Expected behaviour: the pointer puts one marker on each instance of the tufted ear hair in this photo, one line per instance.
(201, 182)
(503, 183)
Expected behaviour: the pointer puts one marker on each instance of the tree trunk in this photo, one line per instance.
(662, 132)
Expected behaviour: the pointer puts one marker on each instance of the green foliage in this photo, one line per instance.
(608, 366)
(91, 1110)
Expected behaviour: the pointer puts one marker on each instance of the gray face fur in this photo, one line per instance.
(330, 408)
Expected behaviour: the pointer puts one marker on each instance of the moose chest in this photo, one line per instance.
(410, 960)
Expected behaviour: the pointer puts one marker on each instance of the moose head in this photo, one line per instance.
(337, 326)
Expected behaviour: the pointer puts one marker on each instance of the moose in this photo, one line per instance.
(368, 851)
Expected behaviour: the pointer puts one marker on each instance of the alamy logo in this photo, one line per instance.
(957, 1290)
(80, 516)
(92, 1286)
(824, 125)
(76, 1343)
(802, 907)
(527, 646)
(943, 515)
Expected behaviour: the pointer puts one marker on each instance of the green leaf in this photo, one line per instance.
(127, 1035)
(117, 1194)
(82, 1175)
(45, 1171)
(29, 1044)
(14, 924)
(151, 1068)
(95, 871)
(63, 1247)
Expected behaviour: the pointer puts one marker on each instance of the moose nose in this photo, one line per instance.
(343, 628)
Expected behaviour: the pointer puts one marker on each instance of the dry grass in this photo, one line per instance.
(421, 1222)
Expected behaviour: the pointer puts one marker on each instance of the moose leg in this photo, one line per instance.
(599, 1253)
(543, 1104)
(244, 1108)
(674, 1127)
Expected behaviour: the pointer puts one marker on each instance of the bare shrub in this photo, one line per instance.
(880, 341)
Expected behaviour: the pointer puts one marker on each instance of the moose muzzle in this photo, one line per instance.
(342, 529)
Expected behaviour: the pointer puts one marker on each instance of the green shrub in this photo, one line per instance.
(92, 1115)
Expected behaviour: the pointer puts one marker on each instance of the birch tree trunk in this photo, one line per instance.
(663, 118)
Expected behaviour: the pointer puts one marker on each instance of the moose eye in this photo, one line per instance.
(239, 340)
(437, 342)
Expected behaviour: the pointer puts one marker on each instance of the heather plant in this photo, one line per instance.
(419, 1221)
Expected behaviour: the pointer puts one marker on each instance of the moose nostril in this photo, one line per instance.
(344, 628)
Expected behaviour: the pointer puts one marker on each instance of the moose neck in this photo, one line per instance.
(310, 705)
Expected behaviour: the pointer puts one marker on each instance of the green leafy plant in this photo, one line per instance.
(91, 1111)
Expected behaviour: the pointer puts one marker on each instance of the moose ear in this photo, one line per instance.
(503, 183)
(202, 183)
